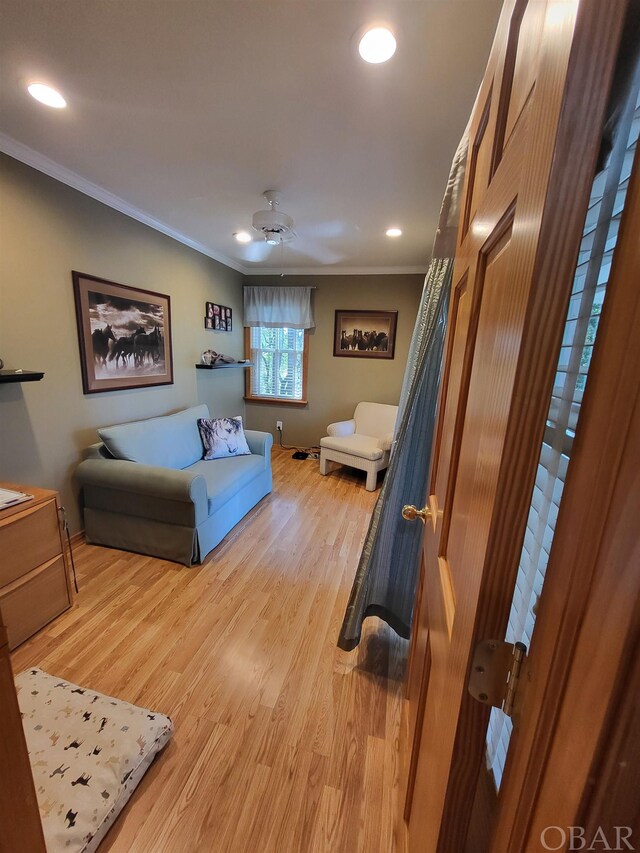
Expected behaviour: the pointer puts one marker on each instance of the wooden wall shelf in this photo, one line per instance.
(20, 376)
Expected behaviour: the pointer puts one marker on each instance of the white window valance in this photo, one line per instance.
(278, 307)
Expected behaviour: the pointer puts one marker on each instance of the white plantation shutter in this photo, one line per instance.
(595, 257)
(278, 358)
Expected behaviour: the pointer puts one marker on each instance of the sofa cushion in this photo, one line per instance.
(171, 441)
(222, 437)
(363, 446)
(226, 477)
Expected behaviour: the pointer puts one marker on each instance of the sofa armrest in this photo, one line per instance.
(169, 484)
(96, 451)
(259, 442)
(386, 442)
(342, 428)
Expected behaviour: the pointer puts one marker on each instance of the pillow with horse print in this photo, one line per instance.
(223, 437)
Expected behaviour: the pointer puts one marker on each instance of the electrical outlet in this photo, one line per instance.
(279, 425)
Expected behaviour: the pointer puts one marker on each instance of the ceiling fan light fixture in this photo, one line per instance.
(276, 225)
(377, 45)
(243, 236)
(46, 95)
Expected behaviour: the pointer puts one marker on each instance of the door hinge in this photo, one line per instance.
(495, 673)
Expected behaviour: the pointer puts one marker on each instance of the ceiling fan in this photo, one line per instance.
(276, 225)
(275, 228)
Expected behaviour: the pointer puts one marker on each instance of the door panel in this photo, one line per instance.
(486, 408)
(416, 658)
(529, 28)
(417, 683)
(495, 387)
(478, 165)
(459, 314)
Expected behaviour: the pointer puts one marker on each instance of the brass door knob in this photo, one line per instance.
(410, 513)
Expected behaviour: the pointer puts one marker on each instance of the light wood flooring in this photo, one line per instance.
(282, 742)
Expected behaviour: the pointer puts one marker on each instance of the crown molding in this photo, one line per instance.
(333, 270)
(22, 152)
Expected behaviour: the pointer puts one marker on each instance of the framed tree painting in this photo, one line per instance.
(365, 334)
(124, 335)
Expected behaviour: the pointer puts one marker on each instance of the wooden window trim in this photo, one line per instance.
(276, 401)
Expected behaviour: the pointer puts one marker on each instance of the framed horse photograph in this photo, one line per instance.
(365, 334)
(124, 335)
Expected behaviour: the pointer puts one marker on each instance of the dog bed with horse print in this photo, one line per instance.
(88, 752)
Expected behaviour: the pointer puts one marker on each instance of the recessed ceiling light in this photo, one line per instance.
(393, 232)
(242, 236)
(377, 45)
(46, 95)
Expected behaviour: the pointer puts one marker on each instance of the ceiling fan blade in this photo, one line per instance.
(311, 249)
(256, 251)
(325, 230)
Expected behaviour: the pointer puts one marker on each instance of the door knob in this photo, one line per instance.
(410, 513)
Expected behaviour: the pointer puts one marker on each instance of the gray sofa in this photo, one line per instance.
(151, 491)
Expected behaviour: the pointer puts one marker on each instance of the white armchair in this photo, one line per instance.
(363, 442)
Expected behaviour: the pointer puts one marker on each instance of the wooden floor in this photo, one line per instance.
(282, 742)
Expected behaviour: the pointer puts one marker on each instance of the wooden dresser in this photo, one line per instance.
(35, 586)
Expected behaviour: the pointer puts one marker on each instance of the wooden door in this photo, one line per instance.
(533, 145)
(574, 758)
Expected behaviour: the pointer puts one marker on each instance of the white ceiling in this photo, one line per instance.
(181, 112)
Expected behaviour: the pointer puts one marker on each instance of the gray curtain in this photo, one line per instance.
(385, 581)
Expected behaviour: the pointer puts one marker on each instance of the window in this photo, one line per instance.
(279, 357)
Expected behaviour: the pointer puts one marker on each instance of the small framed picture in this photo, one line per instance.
(218, 317)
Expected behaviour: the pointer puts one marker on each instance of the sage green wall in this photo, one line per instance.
(46, 230)
(337, 384)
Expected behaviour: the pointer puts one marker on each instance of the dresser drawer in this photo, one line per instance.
(30, 603)
(28, 539)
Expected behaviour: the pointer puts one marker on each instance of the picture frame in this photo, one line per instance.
(218, 317)
(365, 334)
(124, 335)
